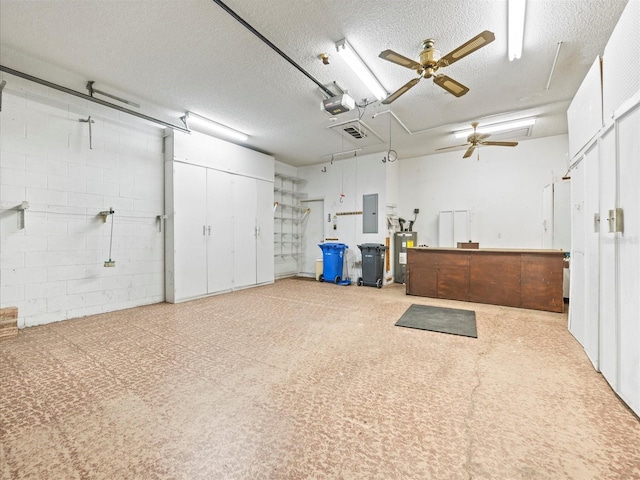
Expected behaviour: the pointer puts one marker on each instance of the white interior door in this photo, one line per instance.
(607, 308)
(190, 240)
(219, 231)
(265, 267)
(244, 231)
(460, 227)
(445, 228)
(547, 216)
(312, 231)
(591, 255)
(628, 130)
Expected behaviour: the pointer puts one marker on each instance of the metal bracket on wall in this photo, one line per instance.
(89, 121)
(105, 213)
(160, 219)
(21, 214)
(2, 84)
(105, 94)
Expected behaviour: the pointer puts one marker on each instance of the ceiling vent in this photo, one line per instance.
(357, 133)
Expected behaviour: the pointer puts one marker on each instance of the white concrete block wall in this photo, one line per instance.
(53, 268)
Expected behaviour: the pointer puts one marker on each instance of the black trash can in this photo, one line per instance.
(372, 264)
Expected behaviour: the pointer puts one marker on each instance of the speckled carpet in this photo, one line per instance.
(308, 380)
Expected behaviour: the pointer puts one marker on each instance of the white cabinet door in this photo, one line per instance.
(264, 237)
(219, 231)
(190, 246)
(608, 310)
(628, 133)
(591, 255)
(244, 231)
(577, 304)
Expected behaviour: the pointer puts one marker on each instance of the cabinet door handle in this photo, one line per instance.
(209, 229)
(204, 229)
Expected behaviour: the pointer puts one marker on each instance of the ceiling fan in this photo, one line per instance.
(476, 139)
(431, 61)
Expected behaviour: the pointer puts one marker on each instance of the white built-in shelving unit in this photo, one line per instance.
(289, 217)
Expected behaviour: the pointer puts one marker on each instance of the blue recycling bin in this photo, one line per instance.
(332, 261)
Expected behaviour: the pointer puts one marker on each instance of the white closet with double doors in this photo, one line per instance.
(604, 142)
(219, 226)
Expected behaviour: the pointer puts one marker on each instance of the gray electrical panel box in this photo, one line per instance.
(370, 213)
(401, 242)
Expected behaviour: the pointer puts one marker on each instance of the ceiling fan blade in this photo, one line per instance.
(469, 151)
(401, 60)
(402, 90)
(467, 48)
(450, 85)
(453, 146)
(501, 144)
(483, 136)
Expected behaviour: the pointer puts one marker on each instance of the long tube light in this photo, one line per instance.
(516, 11)
(496, 127)
(356, 64)
(215, 127)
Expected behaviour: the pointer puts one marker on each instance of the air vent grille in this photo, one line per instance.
(355, 133)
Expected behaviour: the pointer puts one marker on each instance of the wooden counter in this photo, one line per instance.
(515, 278)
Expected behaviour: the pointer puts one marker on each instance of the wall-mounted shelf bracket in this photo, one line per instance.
(105, 213)
(21, 215)
(160, 219)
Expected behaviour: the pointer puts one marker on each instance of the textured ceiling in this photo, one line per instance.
(172, 56)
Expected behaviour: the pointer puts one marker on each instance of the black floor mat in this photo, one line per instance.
(438, 319)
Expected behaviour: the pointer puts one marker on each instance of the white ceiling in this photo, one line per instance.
(177, 55)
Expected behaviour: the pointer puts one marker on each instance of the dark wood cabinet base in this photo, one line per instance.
(516, 278)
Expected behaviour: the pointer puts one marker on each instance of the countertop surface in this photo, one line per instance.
(489, 250)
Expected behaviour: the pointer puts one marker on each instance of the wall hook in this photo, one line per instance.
(89, 121)
(324, 170)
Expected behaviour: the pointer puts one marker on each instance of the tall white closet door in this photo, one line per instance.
(190, 241)
(592, 255)
(608, 310)
(244, 231)
(628, 129)
(577, 304)
(219, 232)
(264, 238)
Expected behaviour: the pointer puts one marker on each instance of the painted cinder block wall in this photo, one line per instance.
(53, 268)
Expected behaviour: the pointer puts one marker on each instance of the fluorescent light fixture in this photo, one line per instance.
(350, 56)
(496, 127)
(215, 127)
(516, 10)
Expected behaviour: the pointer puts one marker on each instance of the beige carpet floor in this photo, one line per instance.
(302, 379)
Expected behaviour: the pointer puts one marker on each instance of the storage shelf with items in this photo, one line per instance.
(288, 216)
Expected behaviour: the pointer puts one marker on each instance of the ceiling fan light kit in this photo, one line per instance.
(516, 13)
(363, 72)
(430, 62)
